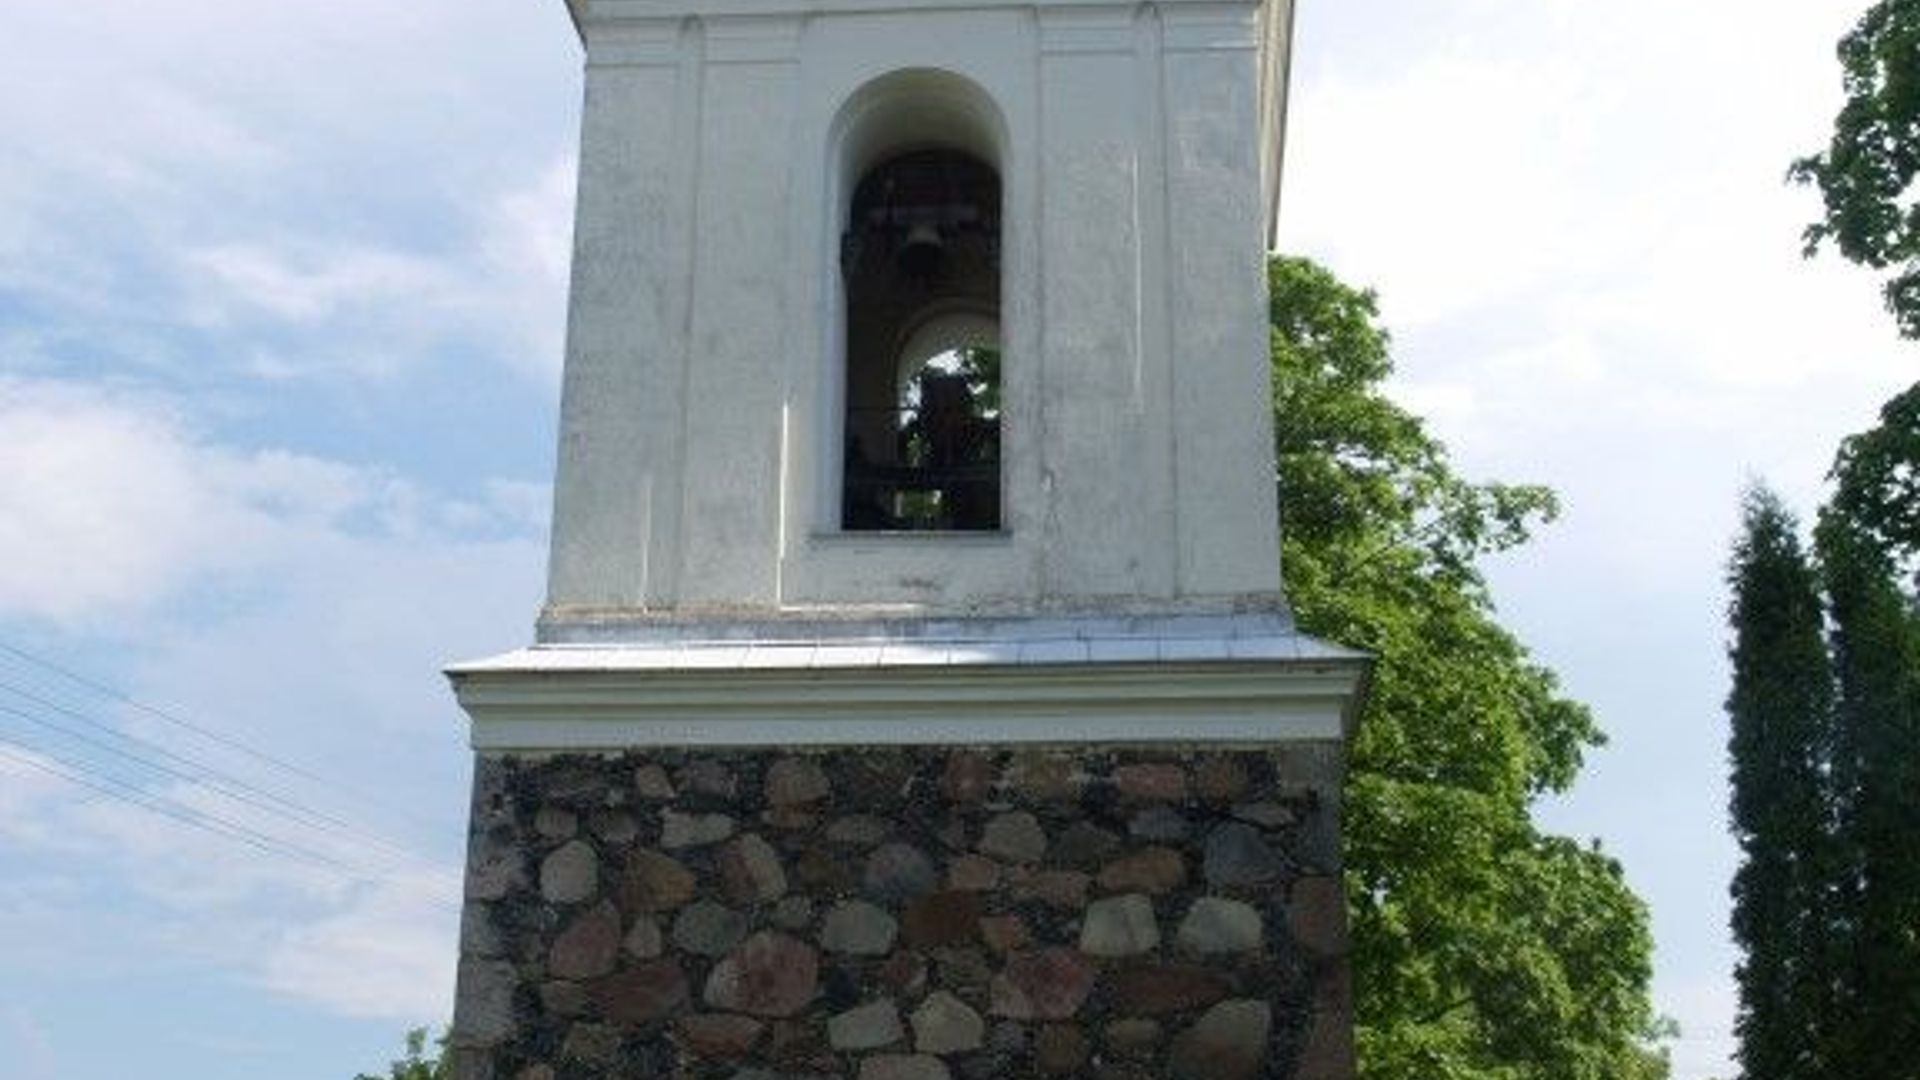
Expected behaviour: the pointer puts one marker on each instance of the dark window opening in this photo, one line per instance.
(921, 258)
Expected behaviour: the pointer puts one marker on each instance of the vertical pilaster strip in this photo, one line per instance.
(1161, 577)
(1095, 441)
(803, 363)
(690, 80)
(620, 446)
(735, 386)
(1229, 530)
(1045, 525)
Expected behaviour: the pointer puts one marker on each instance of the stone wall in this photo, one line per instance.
(906, 914)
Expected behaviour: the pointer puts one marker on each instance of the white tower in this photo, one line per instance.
(915, 519)
(1095, 175)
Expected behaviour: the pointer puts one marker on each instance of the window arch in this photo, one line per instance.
(920, 272)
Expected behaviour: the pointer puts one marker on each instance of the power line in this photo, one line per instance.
(133, 795)
(228, 787)
(162, 714)
(221, 782)
(116, 788)
(175, 719)
(244, 792)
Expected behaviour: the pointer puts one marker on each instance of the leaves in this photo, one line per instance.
(1877, 479)
(1873, 757)
(1826, 760)
(1780, 707)
(1482, 949)
(1866, 176)
(417, 1063)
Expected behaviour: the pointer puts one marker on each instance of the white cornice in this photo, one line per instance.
(590, 13)
(602, 699)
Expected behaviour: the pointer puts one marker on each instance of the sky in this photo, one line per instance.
(282, 289)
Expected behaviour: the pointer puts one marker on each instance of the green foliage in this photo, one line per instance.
(1482, 948)
(418, 1063)
(981, 365)
(1779, 748)
(1875, 767)
(1826, 749)
(1866, 176)
(1877, 480)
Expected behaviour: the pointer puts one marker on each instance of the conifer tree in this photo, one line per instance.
(1875, 909)
(1780, 705)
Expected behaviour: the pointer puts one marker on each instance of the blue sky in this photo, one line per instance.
(281, 301)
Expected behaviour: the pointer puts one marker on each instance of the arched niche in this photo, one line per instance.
(919, 208)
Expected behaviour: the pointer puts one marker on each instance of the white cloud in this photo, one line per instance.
(1585, 248)
(292, 602)
(1591, 178)
(1576, 217)
(390, 954)
(374, 942)
(27, 1047)
(25, 785)
(527, 240)
(286, 193)
(310, 290)
(290, 179)
(377, 311)
(103, 507)
(111, 502)
(532, 227)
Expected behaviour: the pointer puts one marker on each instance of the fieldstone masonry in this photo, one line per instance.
(909, 913)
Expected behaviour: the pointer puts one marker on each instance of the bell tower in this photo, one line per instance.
(915, 695)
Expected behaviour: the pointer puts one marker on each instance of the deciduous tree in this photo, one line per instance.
(419, 1062)
(1482, 947)
(1877, 481)
(1867, 174)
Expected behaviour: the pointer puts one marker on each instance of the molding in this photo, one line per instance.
(591, 14)
(1086, 29)
(1261, 615)
(593, 706)
(652, 43)
(656, 40)
(1210, 28)
(770, 39)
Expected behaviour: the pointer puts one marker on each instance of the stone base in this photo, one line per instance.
(906, 913)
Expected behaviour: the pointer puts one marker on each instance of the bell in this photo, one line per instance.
(921, 253)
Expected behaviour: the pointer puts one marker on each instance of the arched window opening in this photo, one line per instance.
(921, 258)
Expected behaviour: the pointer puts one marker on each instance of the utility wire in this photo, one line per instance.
(116, 788)
(222, 782)
(120, 790)
(174, 718)
(162, 714)
(241, 790)
(228, 787)
(202, 731)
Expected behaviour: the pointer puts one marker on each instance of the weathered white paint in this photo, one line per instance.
(589, 707)
(1138, 151)
(1164, 680)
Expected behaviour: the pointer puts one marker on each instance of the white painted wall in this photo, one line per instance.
(700, 444)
